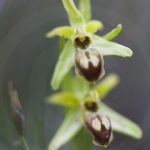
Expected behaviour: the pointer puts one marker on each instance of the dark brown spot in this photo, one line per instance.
(91, 106)
(78, 43)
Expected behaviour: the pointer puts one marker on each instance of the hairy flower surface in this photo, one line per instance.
(89, 64)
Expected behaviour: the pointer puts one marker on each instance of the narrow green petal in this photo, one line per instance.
(106, 85)
(65, 99)
(65, 31)
(107, 48)
(93, 26)
(64, 64)
(112, 34)
(68, 129)
(85, 9)
(120, 123)
(76, 19)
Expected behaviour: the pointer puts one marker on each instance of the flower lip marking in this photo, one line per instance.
(96, 124)
(89, 57)
(105, 122)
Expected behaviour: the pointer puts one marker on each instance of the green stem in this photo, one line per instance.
(23, 143)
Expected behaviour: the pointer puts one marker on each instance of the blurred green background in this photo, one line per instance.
(28, 58)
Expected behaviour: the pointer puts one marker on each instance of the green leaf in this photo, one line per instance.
(68, 129)
(93, 26)
(107, 48)
(61, 43)
(65, 31)
(64, 64)
(85, 9)
(75, 17)
(120, 123)
(64, 98)
(106, 85)
(112, 34)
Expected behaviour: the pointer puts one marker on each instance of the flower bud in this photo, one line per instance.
(17, 111)
(89, 64)
(100, 127)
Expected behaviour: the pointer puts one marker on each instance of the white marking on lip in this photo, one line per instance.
(106, 122)
(96, 124)
(94, 60)
(84, 60)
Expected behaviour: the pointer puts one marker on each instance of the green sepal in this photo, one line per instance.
(93, 26)
(85, 9)
(107, 48)
(67, 99)
(65, 31)
(67, 83)
(68, 129)
(77, 142)
(112, 34)
(106, 85)
(63, 66)
(76, 19)
(80, 86)
(76, 84)
(120, 123)
(61, 43)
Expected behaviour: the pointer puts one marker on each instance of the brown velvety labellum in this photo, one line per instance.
(89, 64)
(100, 128)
